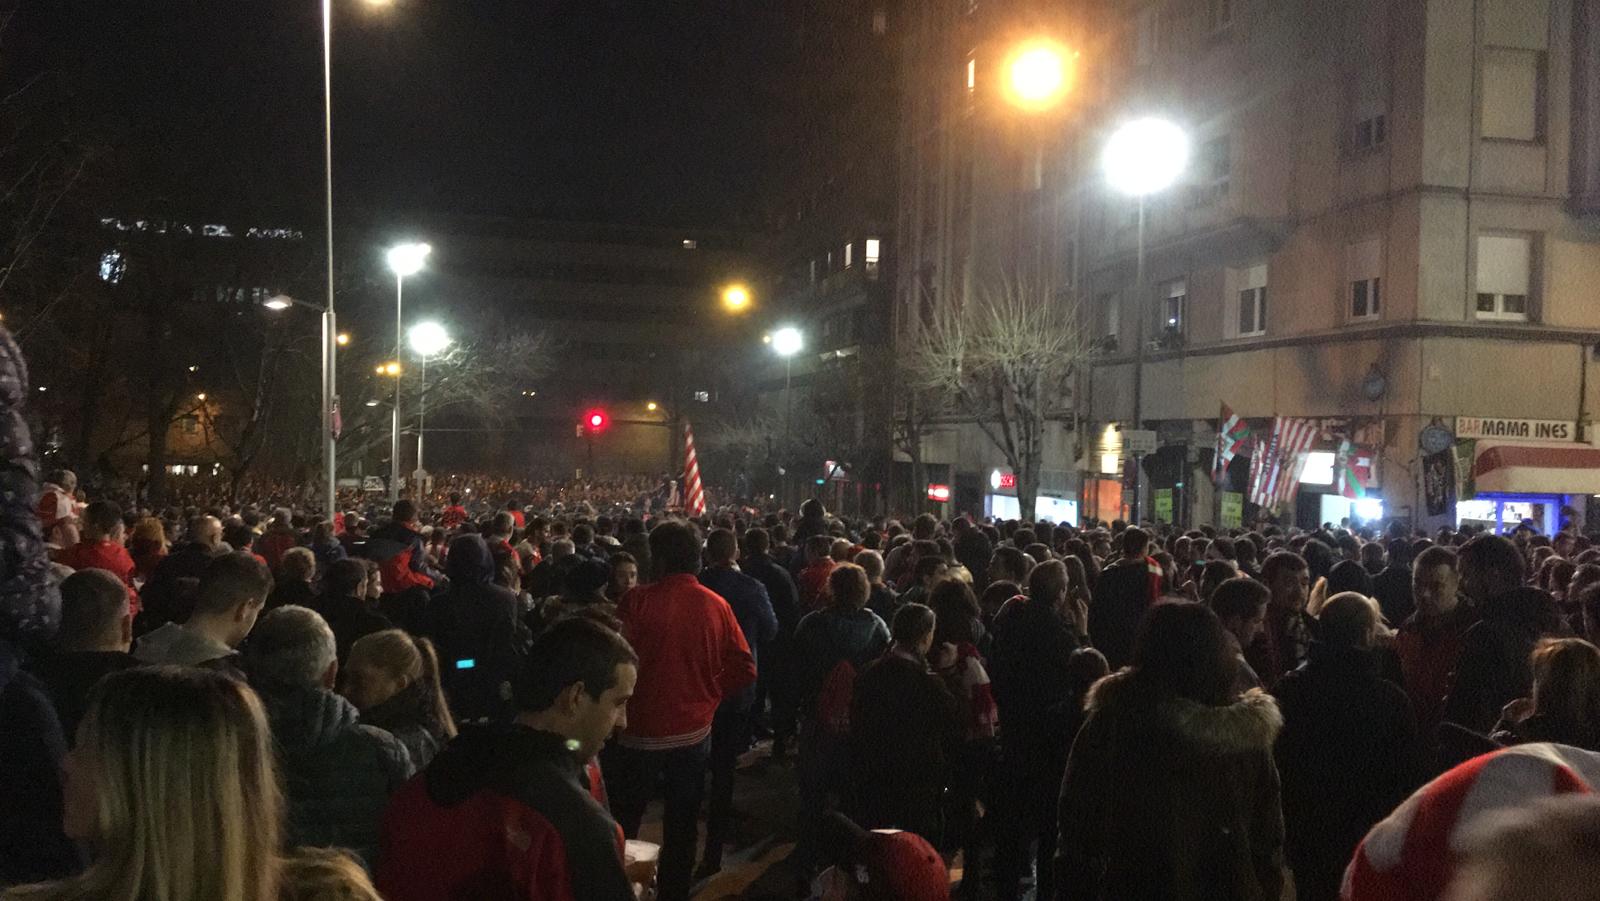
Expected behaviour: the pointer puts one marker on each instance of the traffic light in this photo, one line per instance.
(595, 421)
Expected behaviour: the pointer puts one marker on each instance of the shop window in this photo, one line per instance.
(1505, 265)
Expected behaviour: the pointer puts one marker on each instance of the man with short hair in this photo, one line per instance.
(344, 606)
(231, 594)
(1429, 641)
(1391, 587)
(169, 595)
(297, 567)
(813, 580)
(1286, 639)
(731, 728)
(100, 547)
(338, 774)
(1125, 591)
(93, 640)
(692, 655)
(1241, 604)
(58, 508)
(408, 568)
(1494, 667)
(775, 680)
(442, 833)
(928, 572)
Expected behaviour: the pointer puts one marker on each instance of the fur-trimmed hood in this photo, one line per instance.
(1249, 724)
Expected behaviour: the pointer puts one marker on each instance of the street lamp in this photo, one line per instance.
(1038, 75)
(1142, 157)
(427, 339)
(786, 342)
(404, 260)
(330, 401)
(736, 298)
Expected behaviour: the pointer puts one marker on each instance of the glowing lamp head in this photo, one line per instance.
(787, 342)
(343, 339)
(278, 302)
(1038, 75)
(407, 259)
(1145, 156)
(428, 338)
(736, 298)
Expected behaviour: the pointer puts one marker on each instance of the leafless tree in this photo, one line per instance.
(1005, 361)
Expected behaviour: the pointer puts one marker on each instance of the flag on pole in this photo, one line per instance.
(1352, 469)
(1275, 467)
(694, 495)
(1233, 433)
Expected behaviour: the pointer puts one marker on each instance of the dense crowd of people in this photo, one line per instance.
(481, 703)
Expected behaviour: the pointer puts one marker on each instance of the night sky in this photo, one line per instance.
(654, 111)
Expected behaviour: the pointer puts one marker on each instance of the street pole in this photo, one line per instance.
(788, 417)
(422, 411)
(394, 438)
(1138, 364)
(330, 395)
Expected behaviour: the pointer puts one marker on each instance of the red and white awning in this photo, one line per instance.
(1527, 468)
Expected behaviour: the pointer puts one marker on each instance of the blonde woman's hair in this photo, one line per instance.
(399, 654)
(325, 874)
(150, 529)
(189, 804)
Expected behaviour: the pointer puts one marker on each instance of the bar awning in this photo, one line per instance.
(1524, 468)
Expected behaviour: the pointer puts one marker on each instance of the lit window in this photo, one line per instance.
(1512, 94)
(874, 248)
(702, 397)
(213, 231)
(1251, 304)
(1172, 304)
(972, 75)
(690, 244)
(112, 267)
(849, 255)
(1505, 266)
(1363, 270)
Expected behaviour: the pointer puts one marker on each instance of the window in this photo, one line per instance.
(702, 397)
(1175, 297)
(1215, 170)
(1505, 266)
(972, 74)
(813, 272)
(873, 255)
(849, 255)
(112, 267)
(1251, 285)
(190, 424)
(1144, 39)
(690, 244)
(1220, 14)
(1363, 269)
(1369, 133)
(1512, 94)
(1108, 318)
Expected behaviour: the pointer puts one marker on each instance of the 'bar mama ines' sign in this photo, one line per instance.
(1532, 429)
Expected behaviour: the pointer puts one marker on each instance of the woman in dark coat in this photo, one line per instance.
(1170, 791)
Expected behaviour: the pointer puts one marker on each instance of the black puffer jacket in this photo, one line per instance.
(338, 773)
(481, 639)
(409, 717)
(30, 606)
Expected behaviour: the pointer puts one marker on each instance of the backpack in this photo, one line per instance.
(833, 701)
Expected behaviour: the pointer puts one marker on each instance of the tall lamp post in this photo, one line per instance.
(404, 260)
(1143, 157)
(786, 342)
(1038, 77)
(330, 331)
(427, 339)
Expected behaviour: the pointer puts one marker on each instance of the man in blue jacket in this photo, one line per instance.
(730, 731)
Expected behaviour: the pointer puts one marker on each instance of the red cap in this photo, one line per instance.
(904, 867)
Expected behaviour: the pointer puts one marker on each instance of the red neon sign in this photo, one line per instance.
(939, 493)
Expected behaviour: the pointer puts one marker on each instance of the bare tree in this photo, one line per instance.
(1006, 362)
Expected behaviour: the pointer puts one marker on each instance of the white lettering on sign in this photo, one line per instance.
(1531, 429)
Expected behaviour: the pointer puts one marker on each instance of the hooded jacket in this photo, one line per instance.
(181, 646)
(1166, 798)
(480, 637)
(338, 773)
(503, 813)
(1029, 669)
(1494, 666)
(829, 636)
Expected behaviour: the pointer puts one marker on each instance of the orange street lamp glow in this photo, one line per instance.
(343, 339)
(736, 298)
(1038, 75)
(388, 368)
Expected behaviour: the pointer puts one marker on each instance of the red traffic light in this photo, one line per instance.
(595, 420)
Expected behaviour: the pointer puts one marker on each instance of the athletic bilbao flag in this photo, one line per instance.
(1233, 433)
(694, 496)
(1275, 467)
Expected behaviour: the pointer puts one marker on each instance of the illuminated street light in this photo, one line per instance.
(344, 338)
(1145, 156)
(201, 396)
(388, 368)
(407, 259)
(278, 303)
(786, 342)
(1038, 75)
(736, 298)
(429, 339)
(652, 406)
(372, 403)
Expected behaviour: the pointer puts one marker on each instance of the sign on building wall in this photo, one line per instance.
(1163, 505)
(1530, 429)
(1232, 510)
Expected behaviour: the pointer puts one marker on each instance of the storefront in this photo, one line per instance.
(1050, 506)
(1523, 471)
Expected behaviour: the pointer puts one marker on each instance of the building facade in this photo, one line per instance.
(1388, 225)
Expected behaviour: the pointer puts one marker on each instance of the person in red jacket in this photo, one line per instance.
(813, 580)
(453, 515)
(1429, 641)
(505, 811)
(692, 654)
(101, 547)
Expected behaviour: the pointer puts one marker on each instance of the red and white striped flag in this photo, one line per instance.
(1233, 433)
(694, 495)
(1275, 467)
